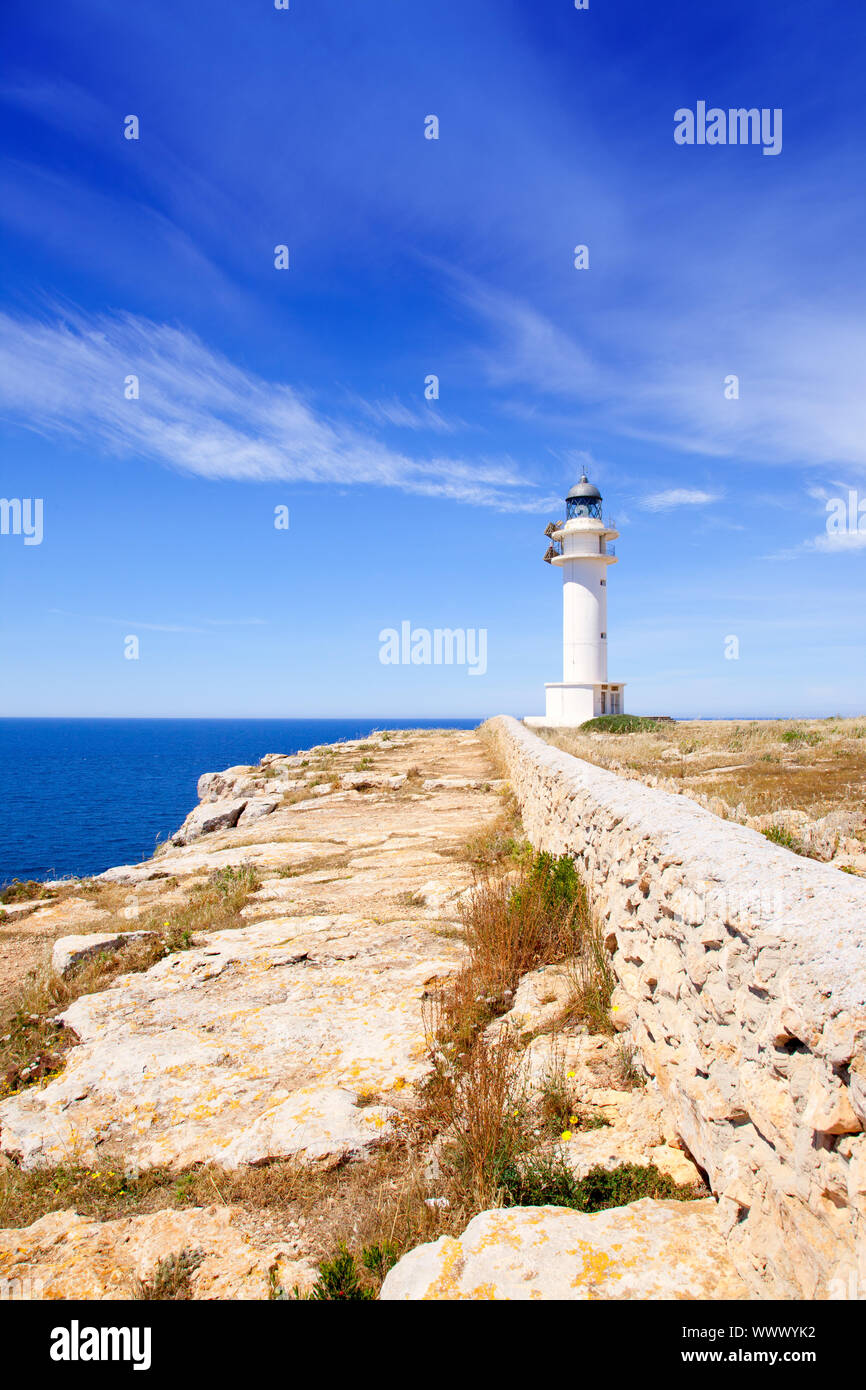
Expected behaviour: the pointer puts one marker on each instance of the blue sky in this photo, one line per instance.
(305, 388)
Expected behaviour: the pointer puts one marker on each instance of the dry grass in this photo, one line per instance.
(101, 1193)
(388, 1201)
(497, 846)
(171, 1279)
(337, 862)
(559, 1110)
(212, 905)
(752, 767)
(476, 1101)
(475, 1098)
(628, 1072)
(386, 1204)
(593, 983)
(512, 924)
(490, 741)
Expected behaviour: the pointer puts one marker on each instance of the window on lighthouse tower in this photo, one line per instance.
(583, 500)
(582, 506)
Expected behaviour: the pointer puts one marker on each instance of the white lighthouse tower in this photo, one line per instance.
(580, 548)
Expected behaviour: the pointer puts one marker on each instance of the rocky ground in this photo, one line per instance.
(294, 1035)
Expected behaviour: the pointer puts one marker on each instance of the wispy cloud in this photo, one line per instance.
(835, 542)
(132, 624)
(828, 543)
(800, 375)
(395, 413)
(198, 412)
(136, 625)
(678, 497)
(530, 348)
(236, 622)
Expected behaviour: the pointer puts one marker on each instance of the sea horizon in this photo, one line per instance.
(84, 793)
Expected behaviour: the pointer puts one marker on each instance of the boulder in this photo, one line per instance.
(70, 951)
(358, 781)
(320, 1125)
(648, 1250)
(257, 808)
(208, 817)
(217, 786)
(540, 998)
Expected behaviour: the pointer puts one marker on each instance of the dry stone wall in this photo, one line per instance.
(741, 973)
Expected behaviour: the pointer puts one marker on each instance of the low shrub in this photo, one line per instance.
(19, 890)
(547, 1180)
(171, 1280)
(622, 724)
(807, 736)
(340, 1280)
(514, 927)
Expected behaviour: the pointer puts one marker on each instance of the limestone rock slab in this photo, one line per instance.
(67, 1256)
(256, 1044)
(648, 1250)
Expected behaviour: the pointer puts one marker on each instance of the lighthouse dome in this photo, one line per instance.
(583, 500)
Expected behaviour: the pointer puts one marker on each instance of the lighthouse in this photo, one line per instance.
(580, 547)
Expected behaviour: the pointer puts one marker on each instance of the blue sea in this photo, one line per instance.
(79, 795)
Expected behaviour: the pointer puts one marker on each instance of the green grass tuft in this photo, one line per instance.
(779, 835)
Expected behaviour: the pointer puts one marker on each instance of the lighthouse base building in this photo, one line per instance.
(580, 547)
(568, 705)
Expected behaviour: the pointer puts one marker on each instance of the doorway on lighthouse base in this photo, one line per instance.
(609, 699)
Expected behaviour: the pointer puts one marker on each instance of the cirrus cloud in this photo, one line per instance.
(678, 497)
(198, 412)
